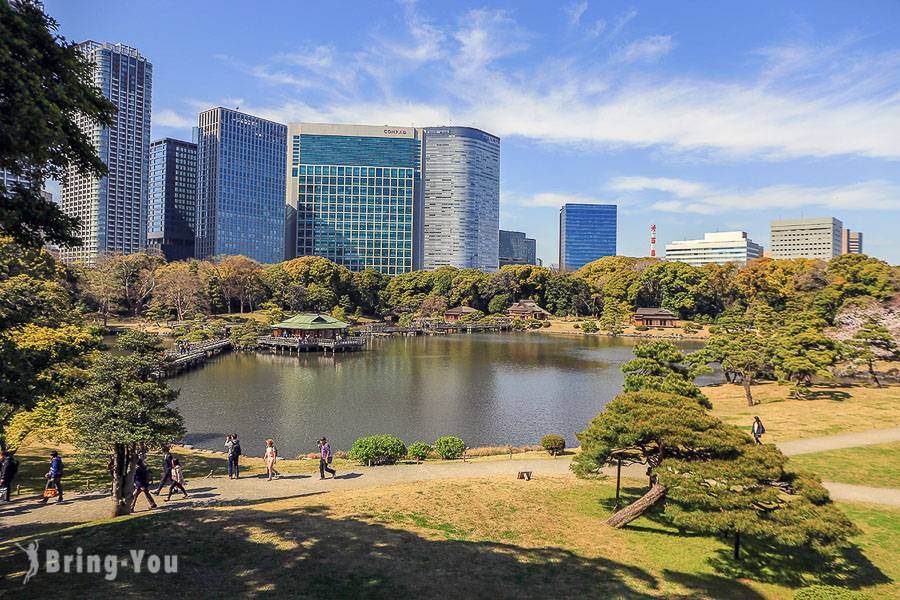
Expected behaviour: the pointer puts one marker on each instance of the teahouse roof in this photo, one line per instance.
(460, 310)
(654, 312)
(527, 306)
(311, 322)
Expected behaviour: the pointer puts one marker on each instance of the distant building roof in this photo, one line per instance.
(310, 322)
(460, 310)
(654, 312)
(526, 306)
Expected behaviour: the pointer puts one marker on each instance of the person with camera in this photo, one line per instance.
(233, 448)
(325, 459)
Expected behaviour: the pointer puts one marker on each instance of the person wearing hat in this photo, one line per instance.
(54, 477)
(324, 459)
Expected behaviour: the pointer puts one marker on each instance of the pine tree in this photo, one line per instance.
(870, 343)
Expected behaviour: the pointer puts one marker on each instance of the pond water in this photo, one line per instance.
(489, 389)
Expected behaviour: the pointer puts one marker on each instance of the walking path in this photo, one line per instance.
(79, 508)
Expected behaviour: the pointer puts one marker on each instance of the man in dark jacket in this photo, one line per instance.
(167, 470)
(233, 446)
(8, 468)
(142, 484)
(54, 477)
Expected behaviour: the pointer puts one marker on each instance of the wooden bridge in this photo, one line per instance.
(292, 344)
(197, 354)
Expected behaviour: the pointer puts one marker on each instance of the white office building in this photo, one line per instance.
(820, 238)
(113, 210)
(720, 247)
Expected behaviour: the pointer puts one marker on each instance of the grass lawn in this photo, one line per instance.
(830, 409)
(876, 465)
(492, 537)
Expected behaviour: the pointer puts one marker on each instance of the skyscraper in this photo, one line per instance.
(852, 242)
(240, 186)
(112, 210)
(819, 238)
(586, 232)
(172, 198)
(462, 198)
(720, 247)
(354, 195)
(516, 249)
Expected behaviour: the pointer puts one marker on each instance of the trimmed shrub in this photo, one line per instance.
(545, 324)
(576, 326)
(419, 451)
(641, 328)
(449, 448)
(378, 450)
(713, 329)
(554, 444)
(828, 592)
(589, 327)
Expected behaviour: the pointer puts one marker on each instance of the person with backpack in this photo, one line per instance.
(9, 466)
(325, 459)
(177, 480)
(142, 484)
(233, 447)
(54, 478)
(757, 429)
(167, 470)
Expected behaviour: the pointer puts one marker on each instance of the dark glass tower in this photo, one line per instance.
(172, 199)
(586, 232)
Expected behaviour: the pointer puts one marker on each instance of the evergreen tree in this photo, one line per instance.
(660, 366)
(870, 343)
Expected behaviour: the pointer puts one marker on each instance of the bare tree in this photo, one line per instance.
(103, 286)
(180, 287)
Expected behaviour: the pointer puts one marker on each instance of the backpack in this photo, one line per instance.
(236, 448)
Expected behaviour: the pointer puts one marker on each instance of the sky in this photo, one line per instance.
(695, 116)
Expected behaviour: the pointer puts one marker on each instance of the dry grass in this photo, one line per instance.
(829, 409)
(501, 450)
(568, 326)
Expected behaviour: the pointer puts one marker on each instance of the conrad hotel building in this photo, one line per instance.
(354, 195)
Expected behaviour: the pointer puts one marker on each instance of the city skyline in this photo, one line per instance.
(681, 126)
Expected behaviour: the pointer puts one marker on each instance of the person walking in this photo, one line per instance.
(142, 484)
(271, 459)
(757, 429)
(233, 447)
(54, 477)
(167, 470)
(9, 466)
(325, 459)
(177, 480)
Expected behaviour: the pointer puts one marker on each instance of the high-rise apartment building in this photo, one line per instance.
(112, 210)
(516, 249)
(819, 238)
(9, 180)
(462, 198)
(354, 195)
(240, 186)
(172, 198)
(720, 247)
(586, 232)
(852, 242)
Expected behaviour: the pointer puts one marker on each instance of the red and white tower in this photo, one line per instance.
(653, 240)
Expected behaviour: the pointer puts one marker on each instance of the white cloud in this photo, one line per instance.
(575, 10)
(696, 197)
(621, 22)
(648, 49)
(556, 200)
(169, 118)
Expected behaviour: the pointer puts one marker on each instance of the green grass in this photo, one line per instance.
(876, 465)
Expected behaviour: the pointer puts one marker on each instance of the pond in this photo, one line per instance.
(490, 389)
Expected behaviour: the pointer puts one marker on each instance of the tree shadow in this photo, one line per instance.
(833, 395)
(307, 553)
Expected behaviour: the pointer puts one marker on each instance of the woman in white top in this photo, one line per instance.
(177, 479)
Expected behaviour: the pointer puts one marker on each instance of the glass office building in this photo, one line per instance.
(516, 249)
(354, 195)
(172, 198)
(586, 232)
(240, 186)
(462, 198)
(113, 210)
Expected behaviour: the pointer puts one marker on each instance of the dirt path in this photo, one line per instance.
(79, 508)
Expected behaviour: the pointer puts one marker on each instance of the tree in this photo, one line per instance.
(499, 304)
(125, 408)
(870, 343)
(137, 276)
(433, 305)
(45, 82)
(156, 312)
(612, 319)
(799, 349)
(241, 280)
(180, 288)
(714, 478)
(660, 366)
(339, 313)
(368, 286)
(103, 286)
(743, 353)
(674, 285)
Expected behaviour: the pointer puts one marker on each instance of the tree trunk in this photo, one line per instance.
(747, 390)
(639, 507)
(737, 544)
(123, 480)
(618, 483)
(872, 373)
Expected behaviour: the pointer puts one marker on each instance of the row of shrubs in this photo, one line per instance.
(387, 449)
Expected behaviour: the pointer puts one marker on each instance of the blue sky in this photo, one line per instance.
(696, 116)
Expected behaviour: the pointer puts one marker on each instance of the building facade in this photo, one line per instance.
(462, 198)
(720, 247)
(172, 198)
(586, 232)
(240, 186)
(852, 242)
(820, 238)
(516, 249)
(113, 210)
(354, 195)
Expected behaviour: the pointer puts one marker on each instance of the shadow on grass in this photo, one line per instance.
(306, 553)
(833, 395)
